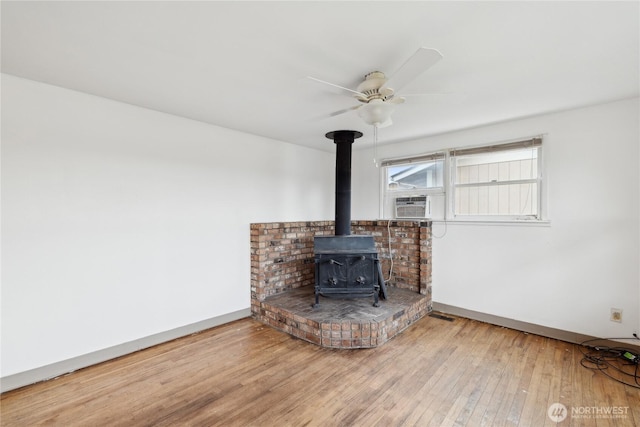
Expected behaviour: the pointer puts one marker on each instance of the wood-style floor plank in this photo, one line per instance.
(436, 373)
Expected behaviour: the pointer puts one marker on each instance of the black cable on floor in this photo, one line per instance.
(605, 359)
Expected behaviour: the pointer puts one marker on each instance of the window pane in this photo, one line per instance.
(423, 175)
(497, 167)
(498, 183)
(507, 199)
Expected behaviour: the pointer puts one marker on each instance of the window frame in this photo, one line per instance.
(387, 196)
(448, 190)
(469, 152)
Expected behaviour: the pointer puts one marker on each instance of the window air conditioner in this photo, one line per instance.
(415, 207)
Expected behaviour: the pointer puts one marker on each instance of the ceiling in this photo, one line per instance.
(244, 65)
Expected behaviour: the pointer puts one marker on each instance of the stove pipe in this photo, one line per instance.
(343, 140)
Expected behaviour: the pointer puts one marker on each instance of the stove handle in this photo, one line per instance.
(329, 261)
(360, 258)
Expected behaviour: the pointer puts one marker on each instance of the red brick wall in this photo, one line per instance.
(410, 250)
(282, 254)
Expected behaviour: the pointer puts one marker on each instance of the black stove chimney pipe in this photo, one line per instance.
(343, 140)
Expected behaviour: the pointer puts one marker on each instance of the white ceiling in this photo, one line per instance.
(243, 65)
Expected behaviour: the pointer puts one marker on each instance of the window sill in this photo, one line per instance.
(500, 222)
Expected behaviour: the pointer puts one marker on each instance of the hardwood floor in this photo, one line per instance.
(436, 373)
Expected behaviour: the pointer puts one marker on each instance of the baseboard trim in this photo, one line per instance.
(54, 370)
(57, 369)
(532, 328)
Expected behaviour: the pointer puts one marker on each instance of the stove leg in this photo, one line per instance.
(381, 283)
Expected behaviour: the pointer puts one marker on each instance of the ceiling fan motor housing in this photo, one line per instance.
(372, 87)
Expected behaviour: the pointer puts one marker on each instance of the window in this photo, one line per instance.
(498, 181)
(415, 174)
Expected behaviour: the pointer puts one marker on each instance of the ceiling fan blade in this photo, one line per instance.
(396, 100)
(355, 92)
(430, 93)
(431, 97)
(346, 110)
(334, 114)
(418, 63)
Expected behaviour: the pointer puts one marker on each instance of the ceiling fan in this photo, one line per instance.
(378, 94)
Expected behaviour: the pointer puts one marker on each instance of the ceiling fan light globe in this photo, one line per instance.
(377, 113)
(385, 124)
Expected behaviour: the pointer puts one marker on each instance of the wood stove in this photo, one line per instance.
(346, 266)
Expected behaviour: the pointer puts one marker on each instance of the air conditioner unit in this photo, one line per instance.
(415, 207)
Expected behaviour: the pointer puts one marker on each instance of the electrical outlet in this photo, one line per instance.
(616, 315)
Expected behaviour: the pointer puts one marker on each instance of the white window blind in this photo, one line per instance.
(416, 159)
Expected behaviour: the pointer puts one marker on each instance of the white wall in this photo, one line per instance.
(569, 274)
(120, 222)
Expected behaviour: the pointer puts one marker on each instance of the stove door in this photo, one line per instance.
(362, 272)
(357, 272)
(333, 271)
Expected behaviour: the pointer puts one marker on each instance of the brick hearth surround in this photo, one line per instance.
(282, 260)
